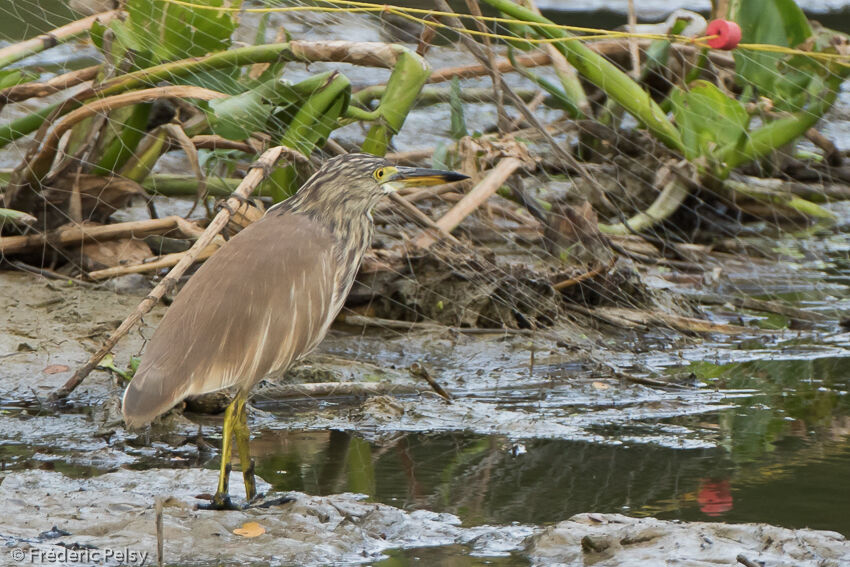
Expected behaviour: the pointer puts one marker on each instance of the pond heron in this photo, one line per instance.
(266, 299)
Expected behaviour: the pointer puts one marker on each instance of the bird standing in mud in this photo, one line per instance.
(266, 299)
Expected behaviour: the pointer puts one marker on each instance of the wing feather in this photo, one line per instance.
(255, 306)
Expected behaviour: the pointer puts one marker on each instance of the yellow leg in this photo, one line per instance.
(243, 436)
(221, 500)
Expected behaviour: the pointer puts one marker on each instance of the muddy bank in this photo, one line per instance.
(115, 511)
(609, 540)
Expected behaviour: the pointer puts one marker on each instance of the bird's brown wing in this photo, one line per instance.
(260, 302)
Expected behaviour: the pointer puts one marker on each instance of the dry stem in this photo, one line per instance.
(22, 49)
(18, 93)
(68, 236)
(472, 200)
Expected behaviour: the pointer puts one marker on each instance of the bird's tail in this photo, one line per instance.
(147, 397)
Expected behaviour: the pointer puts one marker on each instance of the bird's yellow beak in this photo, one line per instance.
(419, 177)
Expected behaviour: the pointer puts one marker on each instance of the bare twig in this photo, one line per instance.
(176, 133)
(636, 319)
(646, 381)
(532, 106)
(254, 177)
(472, 200)
(213, 142)
(830, 152)
(503, 120)
(419, 371)
(81, 233)
(165, 261)
(745, 562)
(634, 52)
(18, 51)
(18, 93)
(44, 272)
(587, 275)
(536, 59)
(336, 389)
(539, 58)
(160, 538)
(765, 307)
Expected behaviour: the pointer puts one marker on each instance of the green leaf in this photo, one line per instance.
(157, 31)
(15, 217)
(775, 22)
(440, 157)
(12, 77)
(458, 122)
(707, 119)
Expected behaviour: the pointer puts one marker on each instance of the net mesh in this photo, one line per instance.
(675, 216)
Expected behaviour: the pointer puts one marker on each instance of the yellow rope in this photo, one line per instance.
(412, 14)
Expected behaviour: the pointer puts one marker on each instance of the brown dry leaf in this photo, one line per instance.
(250, 529)
(110, 253)
(600, 386)
(56, 369)
(101, 196)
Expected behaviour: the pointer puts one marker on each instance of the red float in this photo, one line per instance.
(726, 34)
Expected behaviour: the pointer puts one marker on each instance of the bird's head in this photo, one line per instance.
(358, 181)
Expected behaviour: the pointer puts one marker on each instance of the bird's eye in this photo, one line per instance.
(379, 173)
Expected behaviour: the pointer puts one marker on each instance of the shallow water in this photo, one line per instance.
(781, 455)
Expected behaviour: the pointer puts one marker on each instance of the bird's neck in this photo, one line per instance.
(352, 233)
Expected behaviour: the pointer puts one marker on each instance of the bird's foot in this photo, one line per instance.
(220, 502)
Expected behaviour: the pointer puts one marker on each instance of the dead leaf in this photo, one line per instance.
(250, 529)
(99, 255)
(600, 385)
(56, 369)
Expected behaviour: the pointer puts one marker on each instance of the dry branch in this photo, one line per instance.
(213, 142)
(165, 261)
(474, 199)
(637, 319)
(18, 93)
(257, 173)
(424, 220)
(17, 51)
(586, 275)
(336, 389)
(539, 58)
(765, 307)
(178, 135)
(72, 235)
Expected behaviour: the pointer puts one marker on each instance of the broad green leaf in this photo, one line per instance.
(707, 119)
(156, 31)
(775, 22)
(236, 117)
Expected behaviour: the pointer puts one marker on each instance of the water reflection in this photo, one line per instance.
(781, 457)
